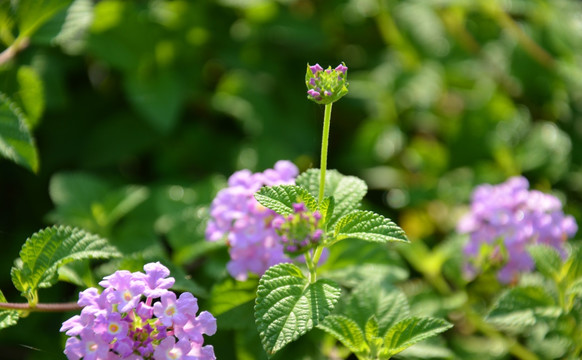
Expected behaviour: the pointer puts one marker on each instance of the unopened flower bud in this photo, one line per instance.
(326, 86)
(299, 232)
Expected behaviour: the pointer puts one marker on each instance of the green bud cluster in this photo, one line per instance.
(326, 86)
(299, 231)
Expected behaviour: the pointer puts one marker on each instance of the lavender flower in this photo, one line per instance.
(119, 323)
(326, 86)
(254, 245)
(504, 220)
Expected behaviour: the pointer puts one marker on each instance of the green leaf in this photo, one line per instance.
(326, 210)
(410, 331)
(78, 273)
(573, 265)
(231, 293)
(30, 94)
(231, 301)
(369, 226)
(157, 97)
(347, 191)
(353, 262)
(45, 251)
(280, 198)
(519, 307)
(575, 288)
(121, 201)
(87, 201)
(73, 33)
(379, 299)
(373, 338)
(548, 260)
(16, 142)
(345, 330)
(372, 329)
(32, 14)
(288, 305)
(7, 317)
(429, 350)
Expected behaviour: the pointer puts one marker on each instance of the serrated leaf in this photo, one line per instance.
(326, 210)
(280, 198)
(73, 33)
(16, 142)
(372, 329)
(45, 251)
(548, 260)
(369, 226)
(383, 301)
(7, 317)
(347, 191)
(517, 308)
(345, 330)
(411, 331)
(288, 305)
(575, 288)
(573, 265)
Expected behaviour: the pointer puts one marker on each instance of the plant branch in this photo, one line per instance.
(56, 307)
(10, 52)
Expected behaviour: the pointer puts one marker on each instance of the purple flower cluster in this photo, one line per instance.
(505, 219)
(254, 245)
(136, 317)
(326, 86)
(299, 231)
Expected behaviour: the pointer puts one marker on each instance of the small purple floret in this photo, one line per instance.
(313, 93)
(316, 68)
(341, 68)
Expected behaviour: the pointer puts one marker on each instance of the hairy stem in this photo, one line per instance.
(312, 267)
(324, 142)
(10, 52)
(57, 307)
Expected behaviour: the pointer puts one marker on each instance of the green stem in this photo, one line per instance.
(312, 267)
(10, 52)
(317, 254)
(59, 307)
(324, 141)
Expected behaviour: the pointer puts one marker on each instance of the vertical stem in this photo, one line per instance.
(312, 261)
(323, 162)
(312, 267)
(317, 254)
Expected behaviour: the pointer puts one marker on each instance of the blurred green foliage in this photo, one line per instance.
(125, 118)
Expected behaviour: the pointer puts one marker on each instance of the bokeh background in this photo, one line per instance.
(139, 111)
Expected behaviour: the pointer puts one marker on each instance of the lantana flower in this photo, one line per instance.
(507, 218)
(254, 245)
(137, 317)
